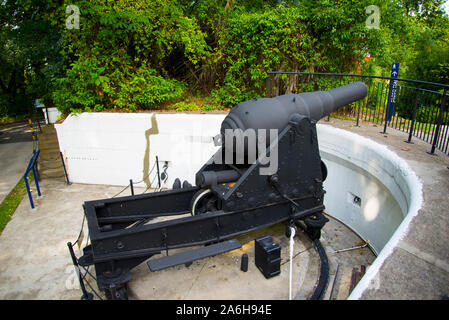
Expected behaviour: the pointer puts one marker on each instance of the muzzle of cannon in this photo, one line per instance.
(232, 196)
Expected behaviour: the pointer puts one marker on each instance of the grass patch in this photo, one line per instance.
(195, 103)
(12, 201)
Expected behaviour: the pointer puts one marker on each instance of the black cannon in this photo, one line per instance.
(233, 194)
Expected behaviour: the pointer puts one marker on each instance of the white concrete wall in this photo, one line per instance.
(112, 148)
(185, 141)
(378, 221)
(391, 194)
(361, 167)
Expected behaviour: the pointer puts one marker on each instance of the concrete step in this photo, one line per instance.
(48, 145)
(51, 173)
(47, 136)
(49, 128)
(51, 147)
(52, 164)
(49, 155)
(52, 177)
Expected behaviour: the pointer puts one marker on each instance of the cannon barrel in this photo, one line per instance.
(274, 113)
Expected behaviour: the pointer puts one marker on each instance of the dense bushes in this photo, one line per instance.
(138, 55)
(256, 43)
(143, 55)
(120, 54)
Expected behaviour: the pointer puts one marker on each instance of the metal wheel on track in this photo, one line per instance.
(203, 201)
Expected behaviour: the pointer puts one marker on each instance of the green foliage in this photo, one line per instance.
(29, 54)
(431, 59)
(137, 55)
(414, 33)
(194, 105)
(256, 43)
(121, 52)
(89, 86)
(185, 106)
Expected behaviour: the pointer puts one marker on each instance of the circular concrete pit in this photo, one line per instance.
(220, 277)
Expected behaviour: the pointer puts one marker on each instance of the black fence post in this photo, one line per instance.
(86, 295)
(440, 119)
(131, 186)
(385, 119)
(65, 170)
(358, 114)
(412, 125)
(332, 86)
(268, 85)
(158, 172)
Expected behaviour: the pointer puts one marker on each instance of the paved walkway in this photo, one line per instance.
(16, 148)
(34, 259)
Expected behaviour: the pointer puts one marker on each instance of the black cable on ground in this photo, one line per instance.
(81, 231)
(134, 183)
(86, 270)
(309, 226)
(320, 289)
(151, 170)
(83, 277)
(87, 282)
(121, 191)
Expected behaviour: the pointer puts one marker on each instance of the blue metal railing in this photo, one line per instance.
(32, 167)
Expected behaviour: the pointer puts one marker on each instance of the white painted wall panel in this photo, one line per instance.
(111, 148)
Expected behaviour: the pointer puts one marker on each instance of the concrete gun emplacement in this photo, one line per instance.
(230, 197)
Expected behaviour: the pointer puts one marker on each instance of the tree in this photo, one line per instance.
(29, 54)
(122, 55)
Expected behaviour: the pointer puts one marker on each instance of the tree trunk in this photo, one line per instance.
(229, 4)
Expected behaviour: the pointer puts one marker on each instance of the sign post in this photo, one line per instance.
(391, 94)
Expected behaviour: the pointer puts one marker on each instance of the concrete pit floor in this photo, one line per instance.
(35, 262)
(220, 277)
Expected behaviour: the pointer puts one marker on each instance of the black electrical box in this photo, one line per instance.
(268, 256)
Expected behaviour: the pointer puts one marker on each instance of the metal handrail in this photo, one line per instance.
(427, 118)
(442, 85)
(32, 166)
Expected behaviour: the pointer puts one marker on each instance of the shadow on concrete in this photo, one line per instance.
(15, 132)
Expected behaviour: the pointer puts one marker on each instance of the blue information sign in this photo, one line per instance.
(392, 91)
